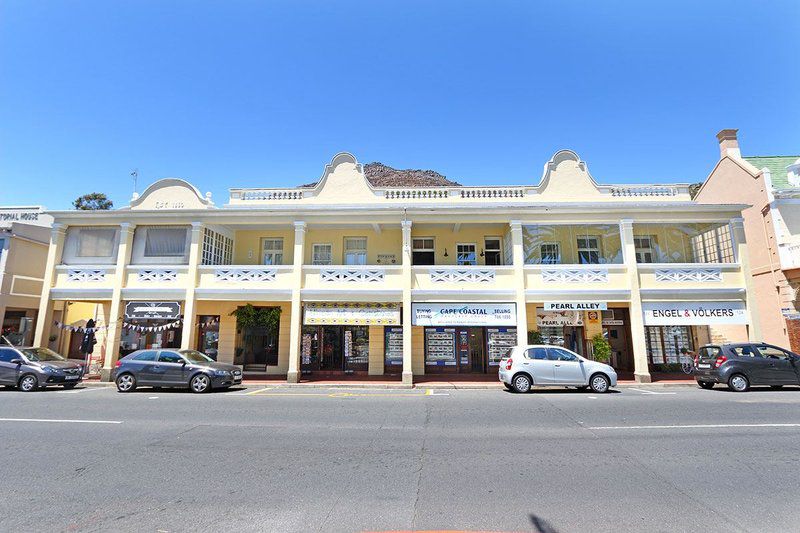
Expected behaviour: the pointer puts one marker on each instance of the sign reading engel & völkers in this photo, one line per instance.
(693, 313)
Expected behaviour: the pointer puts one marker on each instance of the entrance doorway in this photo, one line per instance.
(335, 348)
(471, 350)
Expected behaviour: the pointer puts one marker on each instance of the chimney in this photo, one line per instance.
(728, 144)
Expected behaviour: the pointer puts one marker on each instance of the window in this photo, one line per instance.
(96, 242)
(422, 251)
(465, 254)
(355, 251)
(771, 352)
(7, 354)
(492, 251)
(147, 355)
(557, 354)
(165, 242)
(551, 253)
(321, 254)
(272, 251)
(217, 248)
(169, 357)
(713, 246)
(644, 248)
(539, 354)
(740, 351)
(588, 250)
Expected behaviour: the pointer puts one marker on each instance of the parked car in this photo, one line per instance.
(744, 364)
(33, 368)
(174, 368)
(546, 366)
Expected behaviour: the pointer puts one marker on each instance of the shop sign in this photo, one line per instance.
(613, 322)
(558, 318)
(355, 314)
(458, 314)
(693, 313)
(393, 349)
(576, 306)
(34, 216)
(152, 310)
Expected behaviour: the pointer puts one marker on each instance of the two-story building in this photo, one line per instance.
(356, 275)
(770, 186)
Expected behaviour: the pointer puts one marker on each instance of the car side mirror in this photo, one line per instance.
(183, 363)
(17, 361)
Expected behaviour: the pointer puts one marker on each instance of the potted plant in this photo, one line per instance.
(601, 349)
(535, 337)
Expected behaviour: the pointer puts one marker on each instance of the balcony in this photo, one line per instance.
(83, 281)
(244, 282)
(346, 282)
(573, 281)
(691, 280)
(451, 281)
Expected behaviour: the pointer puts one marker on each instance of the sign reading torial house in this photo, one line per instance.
(693, 313)
(461, 314)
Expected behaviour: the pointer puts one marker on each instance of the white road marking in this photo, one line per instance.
(701, 426)
(78, 391)
(651, 392)
(64, 421)
(592, 397)
(431, 392)
(153, 398)
(253, 391)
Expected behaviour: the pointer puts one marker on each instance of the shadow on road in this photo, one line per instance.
(540, 525)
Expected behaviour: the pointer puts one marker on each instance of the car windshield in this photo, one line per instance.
(193, 356)
(41, 354)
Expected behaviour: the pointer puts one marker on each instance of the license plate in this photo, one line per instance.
(71, 377)
(704, 365)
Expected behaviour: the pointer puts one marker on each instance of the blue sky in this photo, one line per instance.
(247, 94)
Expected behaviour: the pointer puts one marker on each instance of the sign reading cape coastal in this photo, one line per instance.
(575, 306)
(693, 313)
(459, 314)
(355, 314)
(153, 310)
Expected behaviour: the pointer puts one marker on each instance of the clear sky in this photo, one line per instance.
(246, 94)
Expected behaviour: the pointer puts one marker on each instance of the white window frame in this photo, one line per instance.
(598, 250)
(140, 239)
(474, 253)
(357, 253)
(557, 256)
(499, 249)
(72, 246)
(424, 249)
(315, 254)
(272, 252)
(641, 250)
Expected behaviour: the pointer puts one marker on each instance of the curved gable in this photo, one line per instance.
(171, 193)
(566, 176)
(343, 180)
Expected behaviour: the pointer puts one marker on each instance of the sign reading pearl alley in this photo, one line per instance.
(458, 314)
(152, 310)
(575, 306)
(693, 313)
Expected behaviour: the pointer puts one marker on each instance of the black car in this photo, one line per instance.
(744, 364)
(174, 368)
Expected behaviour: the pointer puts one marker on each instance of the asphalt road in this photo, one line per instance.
(323, 460)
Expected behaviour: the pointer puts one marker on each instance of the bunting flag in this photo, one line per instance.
(95, 329)
(150, 329)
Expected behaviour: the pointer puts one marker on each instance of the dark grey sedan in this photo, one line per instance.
(34, 368)
(743, 364)
(174, 368)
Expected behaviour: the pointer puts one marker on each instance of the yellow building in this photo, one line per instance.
(362, 274)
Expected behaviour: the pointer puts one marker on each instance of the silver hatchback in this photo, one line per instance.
(552, 366)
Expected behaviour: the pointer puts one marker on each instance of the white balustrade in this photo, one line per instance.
(245, 274)
(493, 192)
(688, 274)
(352, 275)
(407, 194)
(156, 275)
(462, 275)
(575, 275)
(86, 275)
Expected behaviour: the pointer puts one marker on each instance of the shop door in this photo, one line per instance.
(471, 350)
(331, 356)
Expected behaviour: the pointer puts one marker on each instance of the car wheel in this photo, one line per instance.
(28, 383)
(599, 383)
(200, 383)
(522, 383)
(706, 384)
(738, 383)
(126, 383)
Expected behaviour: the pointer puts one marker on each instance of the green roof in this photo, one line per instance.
(777, 168)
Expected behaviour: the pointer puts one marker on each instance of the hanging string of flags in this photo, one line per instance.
(136, 327)
(95, 329)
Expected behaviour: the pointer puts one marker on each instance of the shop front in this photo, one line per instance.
(152, 325)
(675, 330)
(336, 336)
(465, 338)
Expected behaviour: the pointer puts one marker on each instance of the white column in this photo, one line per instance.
(518, 260)
(115, 314)
(638, 343)
(295, 322)
(189, 329)
(408, 373)
(44, 320)
(739, 242)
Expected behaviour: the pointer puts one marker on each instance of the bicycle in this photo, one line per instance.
(687, 363)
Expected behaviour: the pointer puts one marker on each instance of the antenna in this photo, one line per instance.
(134, 175)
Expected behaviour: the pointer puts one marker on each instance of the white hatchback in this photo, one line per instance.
(552, 366)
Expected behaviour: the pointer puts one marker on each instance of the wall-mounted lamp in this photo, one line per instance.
(445, 252)
(481, 252)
